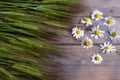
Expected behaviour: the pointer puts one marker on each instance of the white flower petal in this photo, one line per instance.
(109, 50)
(93, 15)
(96, 61)
(74, 33)
(90, 43)
(109, 18)
(97, 35)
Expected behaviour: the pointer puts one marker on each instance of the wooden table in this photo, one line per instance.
(76, 63)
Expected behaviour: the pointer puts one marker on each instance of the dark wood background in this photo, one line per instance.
(76, 64)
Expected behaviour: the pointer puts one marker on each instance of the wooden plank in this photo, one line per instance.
(77, 65)
(108, 7)
(65, 36)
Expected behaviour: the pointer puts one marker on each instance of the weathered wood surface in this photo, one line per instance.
(109, 7)
(67, 38)
(77, 64)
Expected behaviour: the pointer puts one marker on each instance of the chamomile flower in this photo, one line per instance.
(97, 59)
(87, 43)
(87, 21)
(77, 32)
(107, 47)
(114, 35)
(97, 15)
(109, 21)
(96, 32)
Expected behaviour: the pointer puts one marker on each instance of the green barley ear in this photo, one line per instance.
(26, 26)
(27, 70)
(5, 75)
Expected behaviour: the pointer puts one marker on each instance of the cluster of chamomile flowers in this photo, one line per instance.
(96, 32)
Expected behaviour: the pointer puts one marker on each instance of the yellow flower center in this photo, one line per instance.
(109, 21)
(78, 31)
(114, 34)
(86, 43)
(97, 15)
(97, 58)
(97, 32)
(107, 47)
(86, 20)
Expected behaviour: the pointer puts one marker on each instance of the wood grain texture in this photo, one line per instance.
(76, 64)
(109, 7)
(66, 36)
